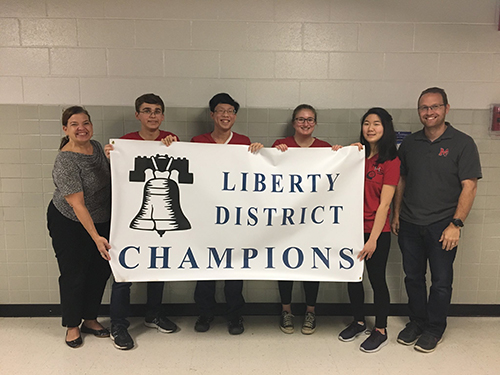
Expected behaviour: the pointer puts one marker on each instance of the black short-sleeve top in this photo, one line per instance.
(434, 172)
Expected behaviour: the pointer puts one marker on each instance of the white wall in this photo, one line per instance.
(341, 56)
(275, 54)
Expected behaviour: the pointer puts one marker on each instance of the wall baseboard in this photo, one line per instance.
(189, 309)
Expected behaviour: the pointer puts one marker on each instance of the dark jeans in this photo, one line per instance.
(375, 267)
(84, 272)
(204, 296)
(310, 290)
(419, 244)
(119, 309)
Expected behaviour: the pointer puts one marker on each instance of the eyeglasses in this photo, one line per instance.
(149, 112)
(435, 107)
(228, 111)
(301, 120)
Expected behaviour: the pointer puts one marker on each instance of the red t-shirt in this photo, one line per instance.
(290, 142)
(237, 139)
(136, 136)
(376, 176)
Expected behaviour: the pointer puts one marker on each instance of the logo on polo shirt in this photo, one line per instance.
(443, 152)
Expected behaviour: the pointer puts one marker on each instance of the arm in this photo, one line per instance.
(451, 235)
(398, 198)
(378, 225)
(77, 202)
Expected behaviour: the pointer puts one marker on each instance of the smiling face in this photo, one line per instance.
(304, 122)
(432, 111)
(79, 128)
(150, 116)
(224, 117)
(373, 130)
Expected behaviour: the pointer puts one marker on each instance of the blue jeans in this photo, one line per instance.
(419, 244)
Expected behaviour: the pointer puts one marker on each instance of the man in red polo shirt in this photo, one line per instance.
(149, 110)
(223, 109)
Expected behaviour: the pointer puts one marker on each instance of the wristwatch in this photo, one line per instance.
(458, 223)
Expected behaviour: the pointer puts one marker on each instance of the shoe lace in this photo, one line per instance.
(309, 320)
(287, 319)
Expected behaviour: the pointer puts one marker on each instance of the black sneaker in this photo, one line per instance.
(286, 322)
(235, 326)
(374, 342)
(121, 338)
(409, 334)
(352, 331)
(161, 323)
(203, 323)
(427, 343)
(309, 325)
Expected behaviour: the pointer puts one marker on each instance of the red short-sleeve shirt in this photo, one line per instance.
(136, 136)
(290, 142)
(236, 139)
(377, 175)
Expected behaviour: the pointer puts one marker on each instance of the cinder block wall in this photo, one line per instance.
(340, 56)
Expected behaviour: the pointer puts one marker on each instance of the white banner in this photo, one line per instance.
(218, 212)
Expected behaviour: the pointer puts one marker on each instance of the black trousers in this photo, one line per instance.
(204, 296)
(310, 288)
(119, 308)
(83, 271)
(376, 267)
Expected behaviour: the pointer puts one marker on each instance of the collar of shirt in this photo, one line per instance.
(448, 134)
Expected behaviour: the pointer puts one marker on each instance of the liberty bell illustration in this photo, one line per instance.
(161, 210)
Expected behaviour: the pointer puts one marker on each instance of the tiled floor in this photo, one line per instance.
(35, 346)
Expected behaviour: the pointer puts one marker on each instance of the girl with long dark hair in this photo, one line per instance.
(381, 178)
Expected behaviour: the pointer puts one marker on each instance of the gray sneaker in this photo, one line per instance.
(286, 322)
(309, 325)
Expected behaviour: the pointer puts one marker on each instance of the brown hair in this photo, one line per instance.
(149, 99)
(434, 90)
(304, 106)
(68, 112)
